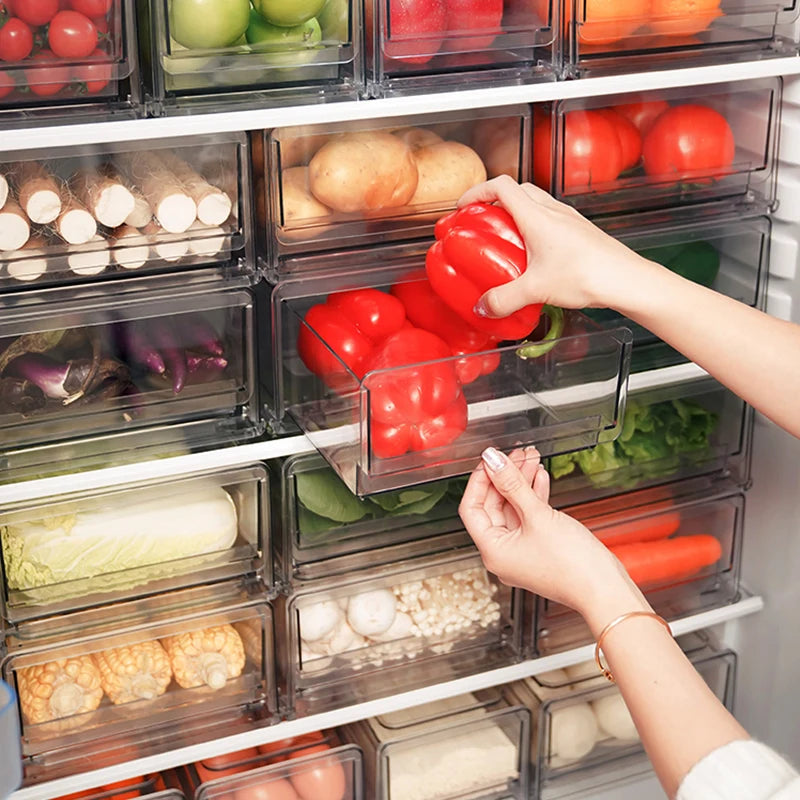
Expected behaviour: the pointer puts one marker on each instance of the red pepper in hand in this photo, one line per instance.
(479, 247)
(426, 310)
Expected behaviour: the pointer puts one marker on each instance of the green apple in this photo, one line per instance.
(202, 24)
(334, 19)
(288, 13)
(292, 46)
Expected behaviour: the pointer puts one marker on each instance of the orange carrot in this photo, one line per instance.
(647, 529)
(668, 560)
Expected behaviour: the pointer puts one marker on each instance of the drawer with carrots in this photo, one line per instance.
(352, 184)
(684, 553)
(151, 673)
(72, 215)
(661, 148)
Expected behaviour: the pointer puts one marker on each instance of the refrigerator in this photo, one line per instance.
(310, 594)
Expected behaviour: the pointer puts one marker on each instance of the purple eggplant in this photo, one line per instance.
(137, 349)
(200, 333)
(196, 362)
(163, 336)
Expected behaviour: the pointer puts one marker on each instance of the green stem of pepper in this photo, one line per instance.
(548, 341)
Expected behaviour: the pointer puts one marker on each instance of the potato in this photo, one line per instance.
(446, 170)
(298, 202)
(299, 150)
(417, 137)
(497, 142)
(363, 171)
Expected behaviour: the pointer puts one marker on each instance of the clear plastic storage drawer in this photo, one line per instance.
(684, 553)
(396, 628)
(329, 530)
(683, 145)
(72, 215)
(365, 183)
(471, 746)
(77, 550)
(378, 430)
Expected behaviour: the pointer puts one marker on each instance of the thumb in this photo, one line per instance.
(511, 484)
(502, 301)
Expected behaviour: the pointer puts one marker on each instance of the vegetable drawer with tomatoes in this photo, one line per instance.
(638, 35)
(85, 549)
(313, 766)
(145, 676)
(394, 628)
(661, 148)
(688, 429)
(174, 363)
(328, 530)
(470, 746)
(683, 551)
(324, 187)
(67, 57)
(80, 214)
(729, 253)
(228, 54)
(583, 736)
(153, 787)
(416, 46)
(394, 388)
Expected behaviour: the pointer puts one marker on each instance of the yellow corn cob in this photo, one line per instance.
(138, 671)
(207, 656)
(59, 689)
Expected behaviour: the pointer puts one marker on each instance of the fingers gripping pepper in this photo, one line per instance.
(479, 247)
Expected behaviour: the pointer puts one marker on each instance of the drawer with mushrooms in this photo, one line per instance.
(395, 628)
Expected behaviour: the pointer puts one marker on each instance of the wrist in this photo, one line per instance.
(630, 287)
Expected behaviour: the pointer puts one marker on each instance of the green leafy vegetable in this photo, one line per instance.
(419, 500)
(323, 493)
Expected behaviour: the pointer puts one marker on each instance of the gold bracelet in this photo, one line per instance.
(613, 624)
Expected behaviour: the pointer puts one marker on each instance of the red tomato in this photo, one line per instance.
(417, 29)
(324, 779)
(95, 77)
(643, 113)
(16, 40)
(91, 8)
(226, 759)
(123, 784)
(72, 35)
(35, 12)
(285, 745)
(270, 789)
(630, 139)
(473, 15)
(590, 150)
(45, 81)
(7, 84)
(101, 23)
(375, 313)
(688, 142)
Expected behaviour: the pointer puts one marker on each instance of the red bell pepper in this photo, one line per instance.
(426, 310)
(479, 247)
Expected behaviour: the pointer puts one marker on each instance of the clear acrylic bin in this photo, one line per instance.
(727, 253)
(153, 787)
(452, 46)
(568, 397)
(170, 364)
(641, 36)
(93, 85)
(704, 530)
(146, 676)
(670, 433)
(395, 628)
(123, 210)
(732, 160)
(306, 767)
(355, 183)
(10, 755)
(89, 548)
(583, 735)
(240, 60)
(470, 746)
(329, 530)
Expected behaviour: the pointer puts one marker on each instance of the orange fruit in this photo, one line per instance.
(603, 21)
(682, 17)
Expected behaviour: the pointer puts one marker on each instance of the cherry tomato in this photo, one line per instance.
(630, 139)
(688, 142)
(35, 12)
(45, 81)
(72, 35)
(91, 8)
(96, 76)
(7, 84)
(324, 779)
(643, 113)
(16, 40)
(101, 23)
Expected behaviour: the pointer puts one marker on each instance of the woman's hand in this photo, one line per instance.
(527, 543)
(571, 262)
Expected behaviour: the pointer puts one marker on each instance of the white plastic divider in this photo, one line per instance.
(749, 604)
(276, 117)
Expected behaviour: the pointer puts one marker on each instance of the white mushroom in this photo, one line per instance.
(614, 718)
(573, 732)
(317, 621)
(344, 638)
(372, 613)
(399, 629)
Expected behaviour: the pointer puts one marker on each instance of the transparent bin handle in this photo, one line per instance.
(10, 753)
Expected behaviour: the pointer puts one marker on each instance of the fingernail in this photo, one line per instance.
(493, 459)
(481, 309)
